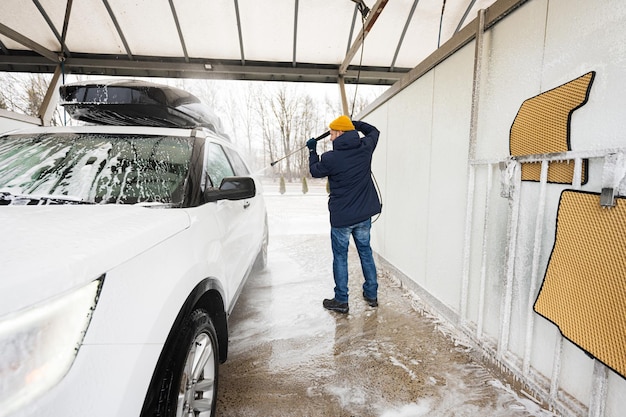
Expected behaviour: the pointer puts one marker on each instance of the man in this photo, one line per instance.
(352, 203)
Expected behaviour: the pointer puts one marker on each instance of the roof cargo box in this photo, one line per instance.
(136, 103)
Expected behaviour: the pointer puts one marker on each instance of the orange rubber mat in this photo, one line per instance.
(584, 289)
(542, 125)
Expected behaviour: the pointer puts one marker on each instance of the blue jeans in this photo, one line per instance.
(340, 239)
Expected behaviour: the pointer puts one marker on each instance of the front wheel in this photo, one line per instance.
(189, 381)
(198, 383)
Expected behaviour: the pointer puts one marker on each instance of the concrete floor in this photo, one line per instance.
(290, 357)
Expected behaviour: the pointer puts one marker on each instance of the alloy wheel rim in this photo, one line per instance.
(196, 394)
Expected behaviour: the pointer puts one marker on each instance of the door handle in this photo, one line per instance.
(246, 204)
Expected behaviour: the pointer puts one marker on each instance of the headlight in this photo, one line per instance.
(39, 344)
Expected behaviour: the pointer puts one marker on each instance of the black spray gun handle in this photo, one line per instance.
(322, 136)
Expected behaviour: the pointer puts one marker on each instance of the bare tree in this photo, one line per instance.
(36, 88)
(289, 117)
(243, 109)
(308, 126)
(24, 93)
(284, 108)
(10, 92)
(242, 117)
(262, 113)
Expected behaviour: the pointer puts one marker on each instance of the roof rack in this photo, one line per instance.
(136, 103)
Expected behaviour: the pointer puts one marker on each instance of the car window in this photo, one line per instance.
(217, 166)
(240, 167)
(96, 168)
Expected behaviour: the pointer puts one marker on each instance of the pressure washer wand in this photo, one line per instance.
(317, 139)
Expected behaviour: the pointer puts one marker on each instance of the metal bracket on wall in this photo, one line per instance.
(613, 175)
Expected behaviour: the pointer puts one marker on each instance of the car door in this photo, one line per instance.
(232, 217)
(255, 215)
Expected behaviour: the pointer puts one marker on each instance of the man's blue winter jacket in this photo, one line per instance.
(353, 197)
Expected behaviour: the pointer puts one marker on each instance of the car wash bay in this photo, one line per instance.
(290, 357)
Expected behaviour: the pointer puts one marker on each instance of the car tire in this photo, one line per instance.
(189, 381)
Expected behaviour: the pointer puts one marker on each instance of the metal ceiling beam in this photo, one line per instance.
(54, 30)
(66, 20)
(11, 115)
(469, 7)
(179, 30)
(367, 27)
(118, 28)
(358, 43)
(295, 34)
(366, 75)
(29, 43)
(354, 15)
(162, 67)
(401, 40)
(243, 57)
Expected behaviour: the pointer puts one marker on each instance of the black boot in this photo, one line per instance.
(334, 305)
(372, 302)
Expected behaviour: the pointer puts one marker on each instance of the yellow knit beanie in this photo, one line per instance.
(342, 123)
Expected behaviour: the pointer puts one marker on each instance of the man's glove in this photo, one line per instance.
(311, 144)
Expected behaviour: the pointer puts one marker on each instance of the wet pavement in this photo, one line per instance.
(291, 357)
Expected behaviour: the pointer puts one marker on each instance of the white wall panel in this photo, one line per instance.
(587, 36)
(511, 74)
(495, 228)
(379, 162)
(408, 143)
(423, 233)
(576, 373)
(447, 194)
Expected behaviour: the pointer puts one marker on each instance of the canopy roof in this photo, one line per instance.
(282, 40)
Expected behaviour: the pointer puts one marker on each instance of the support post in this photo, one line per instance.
(478, 52)
(478, 59)
(344, 98)
(51, 98)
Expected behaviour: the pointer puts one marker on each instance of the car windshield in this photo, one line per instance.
(72, 168)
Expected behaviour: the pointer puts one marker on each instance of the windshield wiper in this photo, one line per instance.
(7, 198)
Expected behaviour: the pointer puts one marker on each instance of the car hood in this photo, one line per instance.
(47, 250)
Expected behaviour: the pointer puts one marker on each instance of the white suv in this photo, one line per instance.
(124, 250)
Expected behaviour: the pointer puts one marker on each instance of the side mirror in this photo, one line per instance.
(232, 188)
